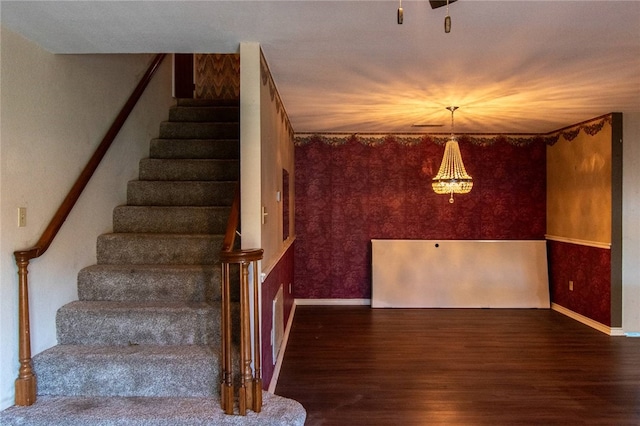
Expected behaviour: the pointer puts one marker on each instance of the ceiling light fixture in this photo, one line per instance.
(452, 178)
(447, 23)
(434, 5)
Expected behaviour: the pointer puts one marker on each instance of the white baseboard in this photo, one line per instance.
(327, 302)
(335, 302)
(611, 331)
(285, 339)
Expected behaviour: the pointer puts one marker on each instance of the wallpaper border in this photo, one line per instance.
(267, 79)
(590, 127)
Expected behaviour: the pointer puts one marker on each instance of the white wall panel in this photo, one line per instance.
(459, 274)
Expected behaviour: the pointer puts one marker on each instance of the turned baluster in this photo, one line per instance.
(257, 380)
(246, 374)
(26, 381)
(227, 376)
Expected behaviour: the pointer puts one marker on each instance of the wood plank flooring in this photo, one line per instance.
(360, 366)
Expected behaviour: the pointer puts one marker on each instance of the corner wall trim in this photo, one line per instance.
(335, 302)
(276, 370)
(611, 331)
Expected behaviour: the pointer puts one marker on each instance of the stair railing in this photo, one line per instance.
(250, 391)
(25, 384)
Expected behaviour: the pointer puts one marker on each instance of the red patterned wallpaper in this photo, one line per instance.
(282, 273)
(590, 270)
(350, 192)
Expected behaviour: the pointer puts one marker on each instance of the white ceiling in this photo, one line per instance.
(347, 66)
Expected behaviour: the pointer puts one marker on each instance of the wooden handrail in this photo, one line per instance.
(72, 197)
(232, 224)
(250, 390)
(26, 381)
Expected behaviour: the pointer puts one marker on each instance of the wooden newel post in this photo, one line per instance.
(250, 390)
(26, 381)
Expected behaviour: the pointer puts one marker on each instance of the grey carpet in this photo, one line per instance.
(119, 411)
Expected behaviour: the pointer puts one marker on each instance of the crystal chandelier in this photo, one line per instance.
(452, 178)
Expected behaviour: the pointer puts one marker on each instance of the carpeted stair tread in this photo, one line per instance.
(188, 169)
(171, 219)
(180, 193)
(137, 411)
(143, 323)
(169, 283)
(204, 113)
(147, 248)
(194, 148)
(133, 370)
(196, 130)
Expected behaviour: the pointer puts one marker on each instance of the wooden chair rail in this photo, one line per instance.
(26, 381)
(250, 390)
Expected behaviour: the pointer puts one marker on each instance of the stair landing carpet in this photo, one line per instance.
(141, 346)
(139, 411)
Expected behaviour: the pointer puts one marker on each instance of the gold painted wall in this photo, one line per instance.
(579, 187)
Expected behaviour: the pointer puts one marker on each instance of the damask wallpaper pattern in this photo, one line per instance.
(590, 270)
(281, 274)
(350, 191)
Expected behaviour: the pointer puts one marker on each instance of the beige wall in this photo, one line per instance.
(250, 146)
(579, 188)
(55, 110)
(266, 146)
(277, 154)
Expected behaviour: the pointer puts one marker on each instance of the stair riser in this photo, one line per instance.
(79, 324)
(157, 249)
(158, 193)
(149, 284)
(180, 220)
(189, 170)
(199, 102)
(134, 374)
(194, 148)
(178, 130)
(204, 114)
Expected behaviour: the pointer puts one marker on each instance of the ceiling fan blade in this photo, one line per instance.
(439, 3)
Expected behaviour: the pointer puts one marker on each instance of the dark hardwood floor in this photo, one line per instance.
(362, 366)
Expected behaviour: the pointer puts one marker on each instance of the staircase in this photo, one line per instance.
(141, 345)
